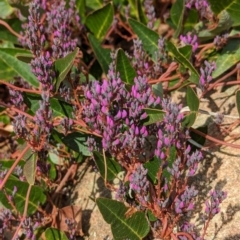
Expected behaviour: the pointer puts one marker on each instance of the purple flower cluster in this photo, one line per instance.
(206, 74)
(113, 112)
(189, 228)
(140, 184)
(169, 133)
(220, 41)
(59, 21)
(212, 206)
(192, 161)
(190, 39)
(202, 6)
(150, 13)
(185, 202)
(38, 33)
(5, 220)
(43, 116)
(16, 98)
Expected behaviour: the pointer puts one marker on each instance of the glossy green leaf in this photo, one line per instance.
(62, 67)
(149, 38)
(52, 171)
(141, 16)
(58, 107)
(177, 13)
(113, 167)
(191, 20)
(238, 101)
(103, 55)
(54, 234)
(81, 7)
(29, 169)
(186, 51)
(36, 197)
(184, 61)
(192, 100)
(153, 168)
(21, 68)
(154, 115)
(100, 21)
(230, 55)
(55, 158)
(231, 6)
(219, 5)
(158, 90)
(5, 9)
(78, 142)
(134, 227)
(124, 67)
(189, 119)
(94, 4)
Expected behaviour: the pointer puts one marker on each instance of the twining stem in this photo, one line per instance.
(20, 89)
(105, 167)
(214, 139)
(10, 29)
(13, 166)
(24, 212)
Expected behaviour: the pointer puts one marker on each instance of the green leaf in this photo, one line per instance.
(94, 4)
(141, 16)
(55, 158)
(5, 9)
(54, 234)
(59, 108)
(124, 67)
(153, 168)
(231, 6)
(113, 167)
(191, 20)
(29, 169)
(36, 196)
(177, 13)
(193, 103)
(189, 119)
(186, 51)
(78, 142)
(149, 38)
(154, 115)
(219, 5)
(192, 100)
(135, 227)
(158, 90)
(184, 61)
(81, 7)
(103, 55)
(100, 21)
(21, 68)
(238, 101)
(229, 56)
(63, 65)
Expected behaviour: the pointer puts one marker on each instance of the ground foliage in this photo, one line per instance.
(92, 80)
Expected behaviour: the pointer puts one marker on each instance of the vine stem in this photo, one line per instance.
(20, 89)
(10, 29)
(214, 139)
(24, 212)
(13, 167)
